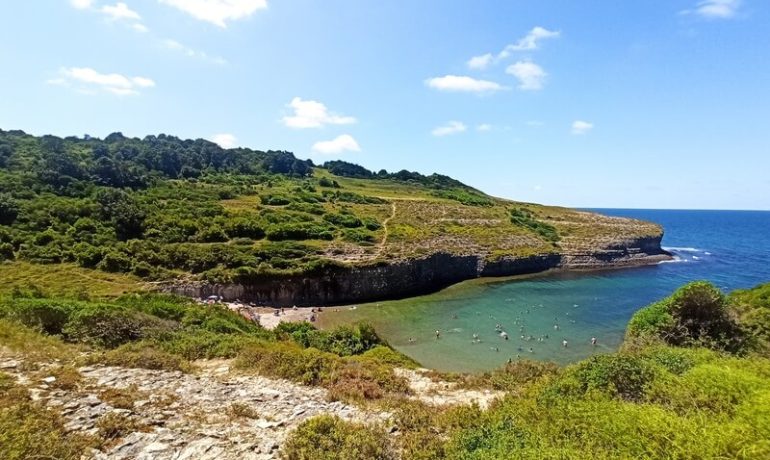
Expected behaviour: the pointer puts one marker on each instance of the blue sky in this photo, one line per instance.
(596, 103)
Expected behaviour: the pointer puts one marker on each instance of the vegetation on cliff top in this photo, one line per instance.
(161, 208)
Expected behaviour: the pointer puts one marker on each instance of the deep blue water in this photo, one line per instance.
(729, 248)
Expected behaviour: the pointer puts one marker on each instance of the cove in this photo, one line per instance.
(729, 248)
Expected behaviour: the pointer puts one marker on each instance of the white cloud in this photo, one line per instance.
(453, 127)
(187, 51)
(531, 76)
(343, 143)
(529, 42)
(581, 127)
(535, 123)
(484, 127)
(89, 80)
(313, 114)
(81, 4)
(480, 62)
(532, 39)
(141, 28)
(218, 12)
(715, 9)
(463, 84)
(225, 140)
(120, 11)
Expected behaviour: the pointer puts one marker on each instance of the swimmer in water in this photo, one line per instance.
(564, 343)
(438, 334)
(593, 341)
(555, 327)
(531, 350)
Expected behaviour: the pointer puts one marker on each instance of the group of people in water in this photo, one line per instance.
(475, 338)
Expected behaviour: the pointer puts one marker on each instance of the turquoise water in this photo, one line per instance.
(729, 248)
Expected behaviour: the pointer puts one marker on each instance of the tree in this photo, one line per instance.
(9, 209)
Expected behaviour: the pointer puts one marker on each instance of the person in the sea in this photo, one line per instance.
(411, 340)
(564, 343)
(555, 327)
(531, 350)
(438, 334)
(593, 341)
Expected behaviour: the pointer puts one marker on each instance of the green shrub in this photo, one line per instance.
(620, 375)
(299, 231)
(387, 355)
(44, 315)
(526, 219)
(110, 326)
(330, 438)
(343, 220)
(696, 314)
(275, 200)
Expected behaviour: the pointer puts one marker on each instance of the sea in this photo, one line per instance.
(539, 313)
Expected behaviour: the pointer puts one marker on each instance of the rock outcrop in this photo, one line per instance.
(404, 278)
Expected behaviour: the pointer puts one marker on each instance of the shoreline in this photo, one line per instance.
(346, 285)
(266, 317)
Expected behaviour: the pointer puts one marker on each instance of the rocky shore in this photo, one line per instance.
(341, 285)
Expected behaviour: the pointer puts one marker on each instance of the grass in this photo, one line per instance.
(29, 430)
(425, 222)
(64, 280)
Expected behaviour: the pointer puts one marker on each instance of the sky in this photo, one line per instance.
(584, 103)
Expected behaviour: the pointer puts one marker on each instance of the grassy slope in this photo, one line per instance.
(64, 280)
(162, 208)
(416, 222)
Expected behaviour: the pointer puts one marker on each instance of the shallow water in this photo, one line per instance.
(729, 248)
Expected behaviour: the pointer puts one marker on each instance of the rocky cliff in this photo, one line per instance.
(410, 277)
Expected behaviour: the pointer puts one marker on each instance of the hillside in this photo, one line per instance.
(199, 218)
(166, 378)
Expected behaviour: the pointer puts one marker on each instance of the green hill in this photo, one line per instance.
(162, 208)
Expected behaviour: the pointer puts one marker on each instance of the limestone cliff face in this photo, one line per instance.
(344, 285)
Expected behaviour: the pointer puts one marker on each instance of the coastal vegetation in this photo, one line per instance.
(127, 210)
(691, 381)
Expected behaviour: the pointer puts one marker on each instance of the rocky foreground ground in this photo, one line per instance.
(211, 413)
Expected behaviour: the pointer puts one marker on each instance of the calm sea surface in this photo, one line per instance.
(729, 248)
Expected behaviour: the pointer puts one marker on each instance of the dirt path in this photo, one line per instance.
(381, 246)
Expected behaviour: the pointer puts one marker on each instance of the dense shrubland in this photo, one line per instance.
(160, 207)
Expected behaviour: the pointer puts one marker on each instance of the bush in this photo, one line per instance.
(299, 231)
(621, 376)
(696, 314)
(47, 316)
(343, 220)
(110, 326)
(330, 438)
(342, 340)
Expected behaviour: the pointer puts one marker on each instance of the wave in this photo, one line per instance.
(675, 260)
(685, 249)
